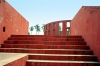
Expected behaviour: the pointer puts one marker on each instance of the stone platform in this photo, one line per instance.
(8, 59)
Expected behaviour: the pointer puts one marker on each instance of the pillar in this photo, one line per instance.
(57, 28)
(63, 28)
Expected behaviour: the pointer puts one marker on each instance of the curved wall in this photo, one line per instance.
(53, 28)
(86, 23)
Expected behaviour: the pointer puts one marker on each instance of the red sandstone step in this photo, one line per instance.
(39, 46)
(46, 39)
(47, 51)
(72, 36)
(52, 44)
(43, 42)
(50, 50)
(63, 57)
(60, 63)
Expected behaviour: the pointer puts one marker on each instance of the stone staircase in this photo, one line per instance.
(51, 50)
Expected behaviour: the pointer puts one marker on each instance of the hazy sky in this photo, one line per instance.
(45, 11)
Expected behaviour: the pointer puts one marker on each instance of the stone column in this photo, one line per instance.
(57, 28)
(64, 28)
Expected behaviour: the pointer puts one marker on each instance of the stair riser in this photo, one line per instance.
(70, 58)
(43, 46)
(82, 44)
(39, 46)
(47, 51)
(43, 42)
(47, 39)
(59, 64)
(46, 36)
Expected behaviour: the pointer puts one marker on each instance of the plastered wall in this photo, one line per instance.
(87, 23)
(11, 22)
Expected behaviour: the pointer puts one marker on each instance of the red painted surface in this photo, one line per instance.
(73, 45)
(87, 23)
(74, 58)
(59, 64)
(13, 22)
(52, 28)
(19, 62)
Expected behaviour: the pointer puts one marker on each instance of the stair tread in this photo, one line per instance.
(51, 49)
(43, 35)
(46, 44)
(45, 41)
(59, 55)
(61, 61)
(43, 38)
(48, 49)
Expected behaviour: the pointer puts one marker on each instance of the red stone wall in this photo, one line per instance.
(52, 28)
(87, 23)
(13, 22)
(19, 62)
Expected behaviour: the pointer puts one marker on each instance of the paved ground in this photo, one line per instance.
(6, 58)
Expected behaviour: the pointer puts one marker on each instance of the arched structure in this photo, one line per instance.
(85, 23)
(53, 28)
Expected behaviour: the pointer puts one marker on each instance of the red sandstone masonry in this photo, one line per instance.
(43, 42)
(85, 52)
(87, 23)
(39, 46)
(12, 21)
(46, 39)
(66, 58)
(19, 62)
(52, 28)
(59, 64)
(48, 52)
(44, 36)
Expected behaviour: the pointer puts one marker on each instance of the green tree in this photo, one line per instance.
(43, 27)
(28, 33)
(68, 32)
(60, 32)
(31, 29)
(37, 27)
(59, 28)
